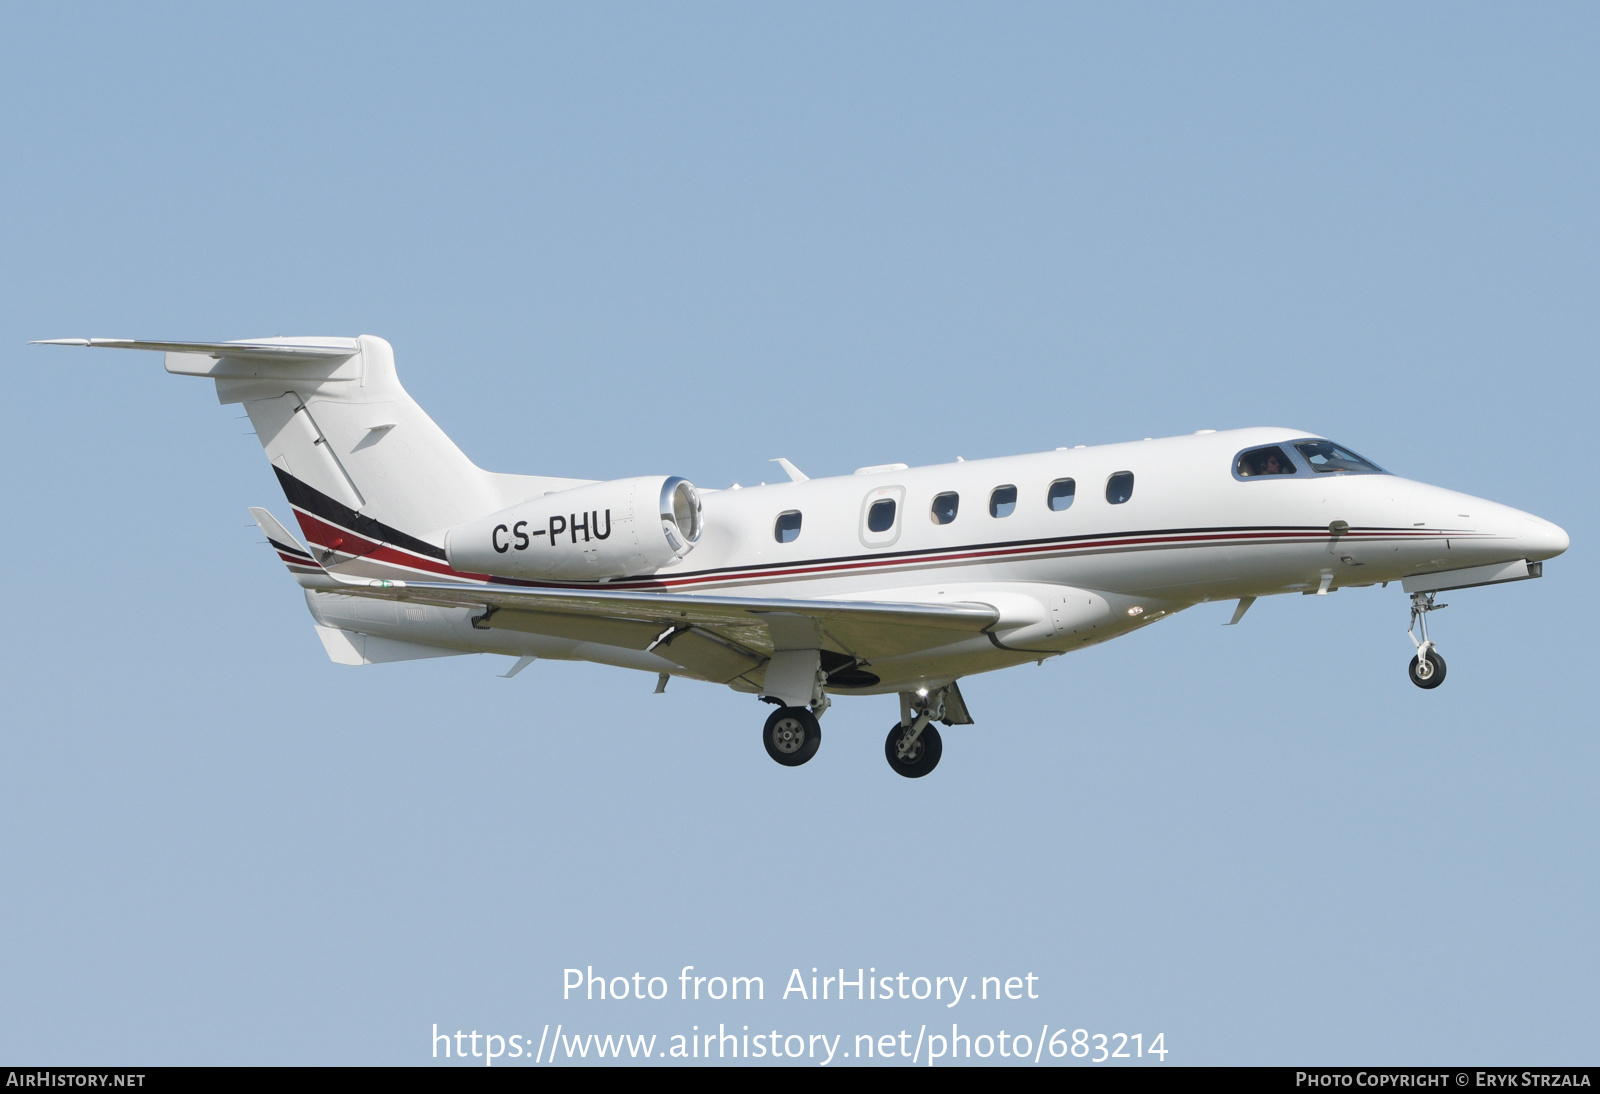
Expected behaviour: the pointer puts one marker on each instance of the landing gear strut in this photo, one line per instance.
(1427, 667)
(794, 678)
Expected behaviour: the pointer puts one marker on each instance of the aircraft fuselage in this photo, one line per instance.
(1191, 530)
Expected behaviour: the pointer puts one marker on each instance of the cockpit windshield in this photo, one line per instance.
(1325, 456)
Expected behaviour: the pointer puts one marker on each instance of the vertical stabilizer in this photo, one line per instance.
(362, 442)
(374, 482)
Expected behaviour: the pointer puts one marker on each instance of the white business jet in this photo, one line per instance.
(894, 580)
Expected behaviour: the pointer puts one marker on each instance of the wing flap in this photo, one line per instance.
(708, 656)
(627, 633)
(703, 653)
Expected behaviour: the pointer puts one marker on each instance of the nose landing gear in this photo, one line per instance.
(1427, 667)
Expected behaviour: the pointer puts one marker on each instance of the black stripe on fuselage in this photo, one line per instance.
(1236, 534)
(319, 504)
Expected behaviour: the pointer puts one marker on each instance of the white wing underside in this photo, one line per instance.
(672, 622)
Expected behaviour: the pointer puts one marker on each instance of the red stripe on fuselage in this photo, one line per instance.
(1133, 542)
(331, 537)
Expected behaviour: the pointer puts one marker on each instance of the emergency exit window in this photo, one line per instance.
(787, 529)
(1003, 502)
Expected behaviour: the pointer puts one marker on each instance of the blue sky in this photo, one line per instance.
(610, 241)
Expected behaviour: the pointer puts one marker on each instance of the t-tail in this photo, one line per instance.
(374, 483)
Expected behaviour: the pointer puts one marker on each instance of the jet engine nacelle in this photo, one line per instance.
(607, 529)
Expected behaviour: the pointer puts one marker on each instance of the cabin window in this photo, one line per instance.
(787, 527)
(944, 507)
(1119, 487)
(1062, 491)
(880, 518)
(1003, 501)
(1260, 462)
(1326, 456)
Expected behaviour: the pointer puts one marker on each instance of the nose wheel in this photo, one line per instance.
(1427, 667)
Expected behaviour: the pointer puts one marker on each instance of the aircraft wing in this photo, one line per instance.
(717, 637)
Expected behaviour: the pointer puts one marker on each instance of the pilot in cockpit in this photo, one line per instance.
(1264, 461)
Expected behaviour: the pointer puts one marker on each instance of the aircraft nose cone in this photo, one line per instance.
(1541, 539)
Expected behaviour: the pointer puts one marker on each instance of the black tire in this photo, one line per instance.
(792, 736)
(1430, 677)
(925, 753)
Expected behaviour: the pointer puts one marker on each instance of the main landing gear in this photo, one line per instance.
(1427, 667)
(913, 748)
(913, 752)
(792, 735)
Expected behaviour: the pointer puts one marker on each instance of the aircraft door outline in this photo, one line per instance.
(882, 513)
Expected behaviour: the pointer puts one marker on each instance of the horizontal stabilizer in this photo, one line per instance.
(354, 648)
(284, 350)
(303, 361)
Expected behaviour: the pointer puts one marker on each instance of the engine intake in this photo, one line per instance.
(621, 528)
